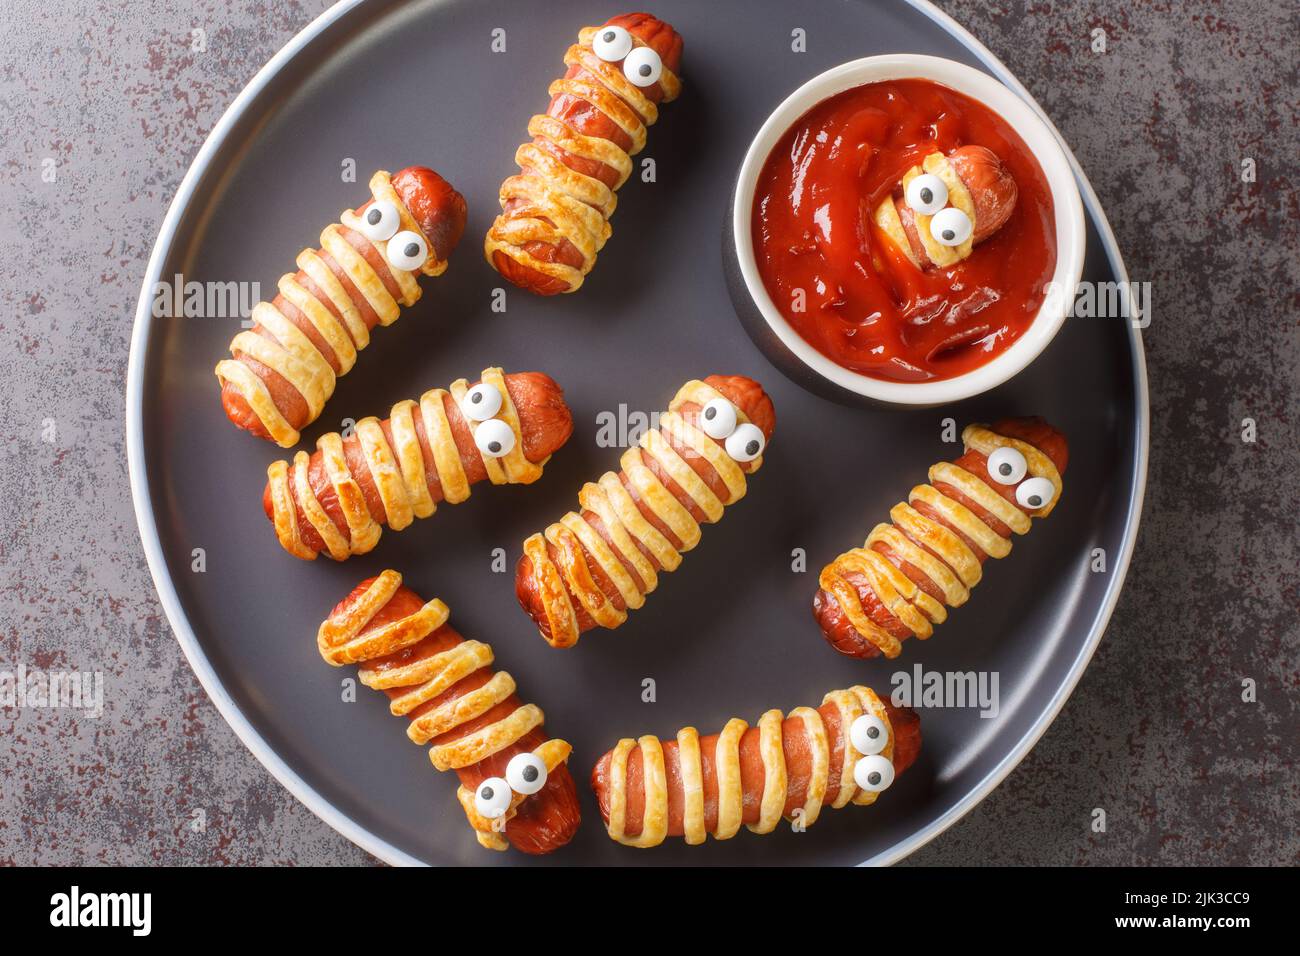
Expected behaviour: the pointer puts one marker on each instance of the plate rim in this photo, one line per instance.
(313, 800)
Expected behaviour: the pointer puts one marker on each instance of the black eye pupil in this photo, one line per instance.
(486, 793)
(752, 448)
(873, 732)
(927, 196)
(645, 69)
(494, 446)
(1004, 469)
(530, 774)
(609, 36)
(374, 216)
(412, 249)
(949, 234)
(873, 778)
(476, 397)
(710, 413)
(1035, 501)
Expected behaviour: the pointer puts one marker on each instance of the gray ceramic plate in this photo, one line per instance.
(389, 84)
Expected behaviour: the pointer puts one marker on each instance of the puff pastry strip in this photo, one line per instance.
(333, 311)
(397, 468)
(551, 201)
(930, 557)
(794, 790)
(636, 550)
(429, 673)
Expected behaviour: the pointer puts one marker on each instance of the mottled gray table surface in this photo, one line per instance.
(1184, 100)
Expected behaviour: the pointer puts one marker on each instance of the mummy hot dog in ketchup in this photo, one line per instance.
(515, 786)
(904, 230)
(848, 750)
(900, 583)
(555, 212)
(592, 567)
(949, 202)
(283, 370)
(503, 428)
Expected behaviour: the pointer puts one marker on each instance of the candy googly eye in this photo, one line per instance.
(1035, 493)
(873, 773)
(643, 67)
(380, 221)
(868, 734)
(526, 773)
(950, 227)
(611, 44)
(718, 418)
(926, 194)
(494, 438)
(746, 443)
(492, 798)
(481, 402)
(1007, 466)
(407, 250)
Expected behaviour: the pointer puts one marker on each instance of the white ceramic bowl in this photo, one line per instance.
(1042, 142)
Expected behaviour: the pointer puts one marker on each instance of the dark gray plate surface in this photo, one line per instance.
(729, 634)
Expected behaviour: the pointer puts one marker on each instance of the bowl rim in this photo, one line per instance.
(1045, 145)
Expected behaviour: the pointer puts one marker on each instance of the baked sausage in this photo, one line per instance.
(848, 750)
(591, 568)
(283, 370)
(503, 428)
(896, 586)
(555, 212)
(515, 786)
(947, 205)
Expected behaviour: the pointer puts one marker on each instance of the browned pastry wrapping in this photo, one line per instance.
(468, 713)
(387, 473)
(555, 212)
(899, 584)
(591, 567)
(786, 766)
(283, 370)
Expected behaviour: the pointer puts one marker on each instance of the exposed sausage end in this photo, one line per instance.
(747, 395)
(435, 205)
(528, 594)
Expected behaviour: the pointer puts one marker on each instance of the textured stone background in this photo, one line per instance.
(1156, 733)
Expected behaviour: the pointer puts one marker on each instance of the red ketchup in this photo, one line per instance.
(865, 306)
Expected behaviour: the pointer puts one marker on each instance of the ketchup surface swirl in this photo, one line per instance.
(864, 305)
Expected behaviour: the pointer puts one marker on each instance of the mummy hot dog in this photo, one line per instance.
(897, 585)
(591, 568)
(283, 370)
(515, 786)
(948, 204)
(846, 751)
(337, 500)
(555, 212)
